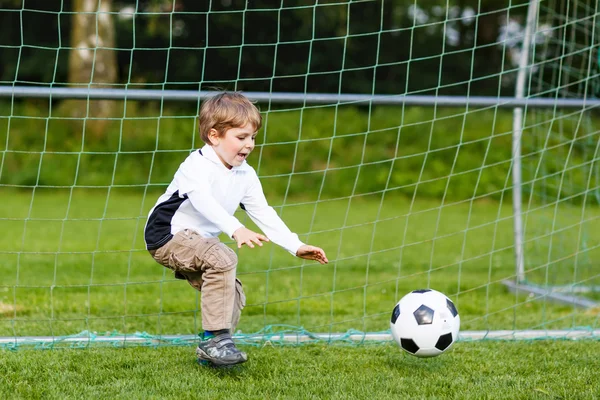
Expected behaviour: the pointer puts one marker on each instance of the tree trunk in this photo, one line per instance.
(92, 61)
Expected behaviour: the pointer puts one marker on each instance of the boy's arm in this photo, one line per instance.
(309, 252)
(265, 217)
(269, 222)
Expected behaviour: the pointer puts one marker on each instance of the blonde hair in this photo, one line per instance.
(224, 111)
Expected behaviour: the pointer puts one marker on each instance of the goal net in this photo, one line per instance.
(562, 189)
(387, 141)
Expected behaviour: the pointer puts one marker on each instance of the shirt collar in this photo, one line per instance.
(210, 154)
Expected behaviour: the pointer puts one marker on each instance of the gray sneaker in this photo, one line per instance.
(220, 351)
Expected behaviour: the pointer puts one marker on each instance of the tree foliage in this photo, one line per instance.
(391, 46)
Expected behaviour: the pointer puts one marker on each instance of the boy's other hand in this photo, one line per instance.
(244, 236)
(312, 253)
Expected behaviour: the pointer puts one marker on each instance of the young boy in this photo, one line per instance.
(183, 227)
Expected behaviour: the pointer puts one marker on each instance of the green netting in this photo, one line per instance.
(400, 196)
(562, 154)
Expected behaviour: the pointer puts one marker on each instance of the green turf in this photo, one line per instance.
(476, 370)
(74, 261)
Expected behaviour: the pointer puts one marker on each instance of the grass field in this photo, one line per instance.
(74, 261)
(475, 370)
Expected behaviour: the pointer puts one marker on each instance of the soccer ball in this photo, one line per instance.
(425, 323)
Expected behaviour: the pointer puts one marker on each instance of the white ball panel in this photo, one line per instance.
(425, 336)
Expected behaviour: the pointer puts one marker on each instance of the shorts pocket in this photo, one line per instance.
(177, 263)
(241, 296)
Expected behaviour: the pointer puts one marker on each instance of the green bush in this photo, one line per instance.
(330, 152)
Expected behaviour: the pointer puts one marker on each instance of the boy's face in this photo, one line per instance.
(234, 146)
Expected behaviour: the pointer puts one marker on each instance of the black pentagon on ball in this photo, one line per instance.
(444, 341)
(451, 307)
(421, 291)
(423, 315)
(395, 313)
(409, 345)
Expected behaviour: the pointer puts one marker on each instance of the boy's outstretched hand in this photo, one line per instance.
(244, 236)
(309, 252)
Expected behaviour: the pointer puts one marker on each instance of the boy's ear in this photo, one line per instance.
(213, 136)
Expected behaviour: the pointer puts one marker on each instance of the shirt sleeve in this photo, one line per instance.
(196, 185)
(265, 217)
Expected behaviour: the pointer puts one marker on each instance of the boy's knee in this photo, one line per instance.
(221, 258)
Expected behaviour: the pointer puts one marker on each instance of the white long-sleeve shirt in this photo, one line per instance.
(204, 195)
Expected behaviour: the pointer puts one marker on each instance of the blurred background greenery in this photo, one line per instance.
(331, 152)
(431, 47)
(386, 47)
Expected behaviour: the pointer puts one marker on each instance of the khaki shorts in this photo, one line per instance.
(210, 267)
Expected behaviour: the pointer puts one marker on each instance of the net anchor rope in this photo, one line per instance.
(293, 336)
